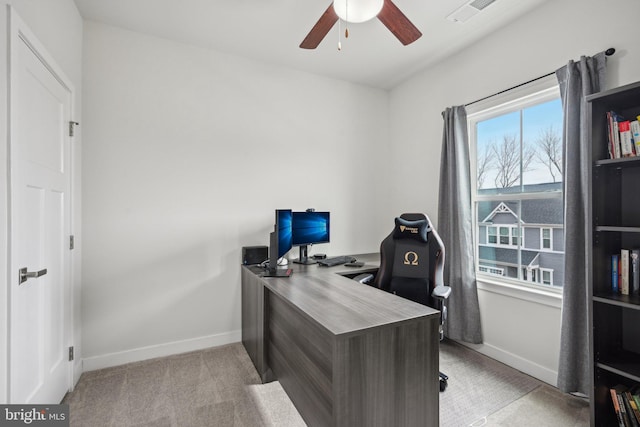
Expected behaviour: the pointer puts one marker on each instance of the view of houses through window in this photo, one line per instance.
(518, 200)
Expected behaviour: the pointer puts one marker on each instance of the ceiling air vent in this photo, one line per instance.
(481, 4)
(467, 11)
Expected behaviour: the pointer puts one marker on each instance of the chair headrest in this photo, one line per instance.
(416, 230)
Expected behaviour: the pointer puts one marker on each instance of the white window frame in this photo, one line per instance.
(512, 235)
(539, 91)
(542, 272)
(516, 236)
(542, 248)
(491, 270)
(495, 234)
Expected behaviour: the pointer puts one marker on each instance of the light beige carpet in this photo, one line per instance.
(220, 387)
(544, 406)
(274, 405)
(478, 385)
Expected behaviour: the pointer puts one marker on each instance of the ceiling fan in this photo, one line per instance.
(387, 12)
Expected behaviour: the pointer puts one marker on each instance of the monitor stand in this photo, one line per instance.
(303, 258)
(277, 272)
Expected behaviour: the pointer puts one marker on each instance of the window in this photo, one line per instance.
(492, 235)
(515, 237)
(546, 238)
(504, 235)
(516, 155)
(509, 235)
(537, 275)
(491, 270)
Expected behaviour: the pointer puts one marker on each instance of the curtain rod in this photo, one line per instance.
(607, 52)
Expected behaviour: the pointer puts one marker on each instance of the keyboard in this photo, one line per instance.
(338, 260)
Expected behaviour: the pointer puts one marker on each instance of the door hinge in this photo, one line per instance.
(70, 353)
(71, 127)
(72, 242)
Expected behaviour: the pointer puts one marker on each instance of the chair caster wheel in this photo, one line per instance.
(443, 384)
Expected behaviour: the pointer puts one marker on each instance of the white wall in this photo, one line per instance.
(518, 331)
(58, 26)
(187, 153)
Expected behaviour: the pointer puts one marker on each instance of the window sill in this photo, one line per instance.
(535, 294)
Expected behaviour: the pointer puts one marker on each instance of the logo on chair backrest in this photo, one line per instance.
(410, 258)
(413, 230)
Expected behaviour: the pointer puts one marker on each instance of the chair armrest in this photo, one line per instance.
(364, 278)
(441, 292)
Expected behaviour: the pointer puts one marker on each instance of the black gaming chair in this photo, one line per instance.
(412, 266)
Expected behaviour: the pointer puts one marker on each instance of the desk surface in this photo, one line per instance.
(342, 305)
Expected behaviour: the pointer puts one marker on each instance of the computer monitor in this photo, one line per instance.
(309, 228)
(280, 240)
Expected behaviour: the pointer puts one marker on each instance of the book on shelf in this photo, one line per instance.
(622, 406)
(635, 271)
(615, 263)
(636, 398)
(614, 135)
(626, 144)
(635, 134)
(633, 409)
(624, 272)
(619, 409)
(623, 136)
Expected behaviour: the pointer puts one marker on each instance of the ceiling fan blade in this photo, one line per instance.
(398, 23)
(322, 27)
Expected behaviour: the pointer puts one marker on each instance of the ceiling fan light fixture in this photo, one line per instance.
(358, 10)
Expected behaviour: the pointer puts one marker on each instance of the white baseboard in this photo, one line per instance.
(143, 353)
(77, 371)
(529, 367)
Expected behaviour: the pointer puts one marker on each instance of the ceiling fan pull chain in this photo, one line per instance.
(346, 19)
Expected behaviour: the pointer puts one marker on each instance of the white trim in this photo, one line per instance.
(501, 208)
(77, 372)
(533, 93)
(19, 32)
(495, 228)
(539, 225)
(550, 248)
(515, 197)
(498, 235)
(526, 291)
(518, 362)
(524, 248)
(491, 270)
(160, 350)
(537, 92)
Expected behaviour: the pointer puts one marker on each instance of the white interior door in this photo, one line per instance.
(40, 110)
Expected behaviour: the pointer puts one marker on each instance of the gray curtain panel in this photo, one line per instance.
(456, 230)
(576, 80)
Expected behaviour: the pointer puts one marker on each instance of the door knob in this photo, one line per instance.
(25, 275)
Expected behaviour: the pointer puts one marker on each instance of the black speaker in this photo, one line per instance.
(252, 255)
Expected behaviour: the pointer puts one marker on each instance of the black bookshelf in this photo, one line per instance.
(615, 217)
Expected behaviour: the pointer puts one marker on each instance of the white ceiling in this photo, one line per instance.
(271, 31)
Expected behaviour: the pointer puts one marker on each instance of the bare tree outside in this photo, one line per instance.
(549, 152)
(484, 164)
(506, 158)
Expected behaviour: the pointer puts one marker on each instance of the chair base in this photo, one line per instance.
(443, 382)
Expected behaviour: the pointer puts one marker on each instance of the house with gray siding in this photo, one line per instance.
(523, 239)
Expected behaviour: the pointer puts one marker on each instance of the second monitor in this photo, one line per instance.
(308, 228)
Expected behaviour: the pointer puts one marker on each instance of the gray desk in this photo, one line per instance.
(347, 354)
